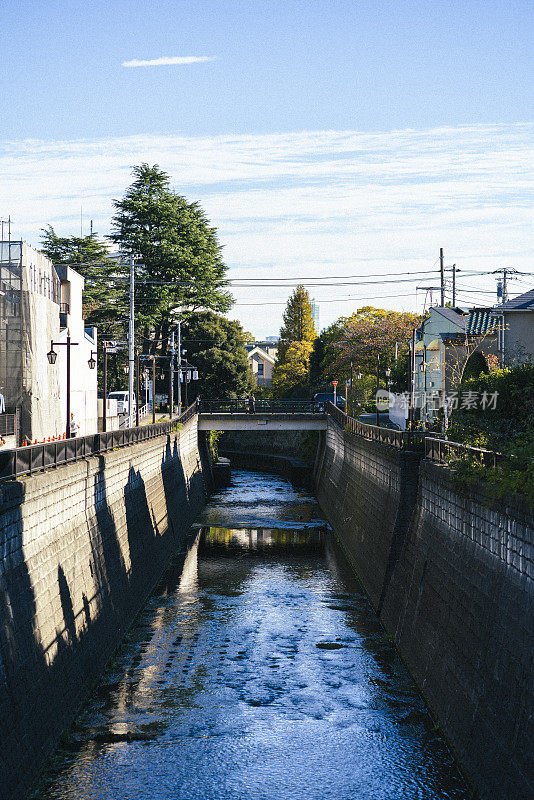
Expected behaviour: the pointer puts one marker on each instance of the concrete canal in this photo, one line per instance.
(257, 670)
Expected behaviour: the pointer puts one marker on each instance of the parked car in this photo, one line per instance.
(122, 402)
(325, 397)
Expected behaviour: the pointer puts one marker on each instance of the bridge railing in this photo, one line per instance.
(404, 440)
(261, 407)
(37, 457)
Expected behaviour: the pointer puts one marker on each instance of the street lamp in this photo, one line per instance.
(52, 356)
(92, 360)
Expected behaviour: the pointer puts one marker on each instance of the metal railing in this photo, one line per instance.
(261, 407)
(37, 457)
(443, 452)
(403, 440)
(7, 424)
(438, 450)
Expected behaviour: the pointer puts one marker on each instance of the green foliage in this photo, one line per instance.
(290, 376)
(215, 345)
(213, 445)
(105, 293)
(179, 254)
(508, 428)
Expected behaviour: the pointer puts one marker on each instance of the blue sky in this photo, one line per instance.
(324, 137)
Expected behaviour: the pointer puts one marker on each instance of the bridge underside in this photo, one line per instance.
(254, 422)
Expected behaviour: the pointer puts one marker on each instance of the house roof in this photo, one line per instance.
(522, 302)
(452, 314)
(262, 354)
(481, 322)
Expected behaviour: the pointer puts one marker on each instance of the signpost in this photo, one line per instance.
(335, 392)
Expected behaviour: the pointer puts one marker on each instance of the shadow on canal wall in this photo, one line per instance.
(450, 574)
(81, 548)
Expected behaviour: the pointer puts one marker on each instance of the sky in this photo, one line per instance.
(324, 139)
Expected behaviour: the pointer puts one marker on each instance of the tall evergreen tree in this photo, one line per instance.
(180, 261)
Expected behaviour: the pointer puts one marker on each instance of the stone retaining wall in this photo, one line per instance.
(450, 573)
(80, 549)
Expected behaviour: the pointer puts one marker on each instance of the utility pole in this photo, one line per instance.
(171, 378)
(179, 365)
(377, 387)
(137, 393)
(442, 276)
(131, 336)
(454, 285)
(504, 285)
(105, 376)
(411, 410)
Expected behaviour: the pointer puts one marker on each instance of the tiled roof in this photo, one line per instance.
(524, 301)
(481, 322)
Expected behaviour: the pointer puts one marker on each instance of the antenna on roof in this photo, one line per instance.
(429, 289)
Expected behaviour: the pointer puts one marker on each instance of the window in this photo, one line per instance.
(260, 369)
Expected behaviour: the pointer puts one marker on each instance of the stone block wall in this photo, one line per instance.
(450, 573)
(80, 549)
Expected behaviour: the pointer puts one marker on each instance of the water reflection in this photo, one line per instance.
(257, 670)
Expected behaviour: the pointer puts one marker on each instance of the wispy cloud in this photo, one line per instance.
(167, 61)
(307, 202)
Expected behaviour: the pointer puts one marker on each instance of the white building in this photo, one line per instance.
(31, 293)
(83, 380)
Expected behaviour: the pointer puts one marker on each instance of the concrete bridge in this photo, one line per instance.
(275, 415)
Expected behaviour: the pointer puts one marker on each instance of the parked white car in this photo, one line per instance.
(122, 402)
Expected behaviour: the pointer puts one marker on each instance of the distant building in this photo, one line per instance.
(445, 342)
(261, 358)
(315, 313)
(517, 328)
(30, 310)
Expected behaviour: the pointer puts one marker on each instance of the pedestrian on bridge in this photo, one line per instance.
(251, 404)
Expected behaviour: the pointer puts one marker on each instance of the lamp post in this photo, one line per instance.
(137, 397)
(52, 355)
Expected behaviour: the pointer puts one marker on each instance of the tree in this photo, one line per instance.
(360, 338)
(216, 346)
(290, 377)
(180, 263)
(294, 346)
(298, 322)
(105, 291)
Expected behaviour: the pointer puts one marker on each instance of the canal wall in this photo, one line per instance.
(287, 444)
(450, 573)
(81, 547)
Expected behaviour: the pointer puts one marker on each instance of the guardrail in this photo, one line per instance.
(261, 407)
(403, 440)
(37, 457)
(443, 452)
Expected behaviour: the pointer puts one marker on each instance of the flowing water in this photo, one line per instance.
(257, 671)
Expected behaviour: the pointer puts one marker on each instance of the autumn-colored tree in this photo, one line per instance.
(290, 373)
(360, 338)
(298, 322)
(290, 377)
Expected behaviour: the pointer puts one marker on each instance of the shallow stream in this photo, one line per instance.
(257, 670)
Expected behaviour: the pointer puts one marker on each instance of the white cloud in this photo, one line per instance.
(305, 203)
(167, 61)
